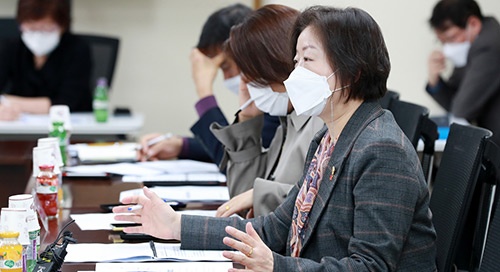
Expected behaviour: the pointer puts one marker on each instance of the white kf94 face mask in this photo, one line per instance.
(41, 43)
(308, 91)
(457, 53)
(233, 84)
(269, 101)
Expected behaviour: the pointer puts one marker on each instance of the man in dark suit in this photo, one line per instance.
(472, 43)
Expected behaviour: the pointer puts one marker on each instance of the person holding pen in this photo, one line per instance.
(206, 59)
(362, 203)
(259, 179)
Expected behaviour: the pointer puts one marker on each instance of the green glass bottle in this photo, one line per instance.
(100, 103)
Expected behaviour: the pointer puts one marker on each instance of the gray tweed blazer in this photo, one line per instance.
(372, 215)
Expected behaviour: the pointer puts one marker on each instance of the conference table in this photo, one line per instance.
(85, 195)
(17, 139)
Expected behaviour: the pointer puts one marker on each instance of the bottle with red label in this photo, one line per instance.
(47, 181)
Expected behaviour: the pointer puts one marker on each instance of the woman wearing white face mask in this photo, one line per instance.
(362, 203)
(47, 65)
(257, 178)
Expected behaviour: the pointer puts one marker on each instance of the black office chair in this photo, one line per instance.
(455, 184)
(389, 96)
(414, 120)
(490, 259)
(104, 52)
(9, 28)
(487, 227)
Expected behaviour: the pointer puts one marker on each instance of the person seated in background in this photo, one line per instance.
(259, 179)
(362, 203)
(47, 65)
(206, 59)
(472, 43)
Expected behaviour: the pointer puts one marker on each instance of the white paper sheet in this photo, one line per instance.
(181, 166)
(209, 177)
(103, 221)
(185, 193)
(137, 252)
(164, 267)
(115, 168)
(196, 170)
(96, 221)
(106, 152)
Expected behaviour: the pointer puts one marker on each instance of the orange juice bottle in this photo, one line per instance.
(11, 252)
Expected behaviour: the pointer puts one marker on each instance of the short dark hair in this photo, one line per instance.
(58, 10)
(453, 12)
(260, 45)
(354, 46)
(217, 27)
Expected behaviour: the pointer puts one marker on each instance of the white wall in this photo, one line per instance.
(153, 73)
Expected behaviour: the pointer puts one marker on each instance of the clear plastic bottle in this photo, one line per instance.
(11, 251)
(101, 101)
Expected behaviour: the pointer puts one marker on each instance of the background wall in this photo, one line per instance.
(153, 73)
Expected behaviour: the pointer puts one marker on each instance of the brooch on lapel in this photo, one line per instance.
(332, 173)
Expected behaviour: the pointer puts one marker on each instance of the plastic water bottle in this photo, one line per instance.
(60, 126)
(101, 101)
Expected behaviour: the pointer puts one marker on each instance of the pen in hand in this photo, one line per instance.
(159, 139)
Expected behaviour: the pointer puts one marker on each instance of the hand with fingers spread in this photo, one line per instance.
(157, 218)
(241, 202)
(204, 70)
(256, 255)
(164, 150)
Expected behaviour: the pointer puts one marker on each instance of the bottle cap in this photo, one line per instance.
(102, 82)
(42, 155)
(60, 113)
(9, 234)
(52, 142)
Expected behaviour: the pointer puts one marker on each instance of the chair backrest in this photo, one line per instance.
(9, 28)
(486, 240)
(386, 100)
(454, 186)
(490, 261)
(104, 51)
(414, 120)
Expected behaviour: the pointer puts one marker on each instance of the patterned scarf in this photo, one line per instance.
(308, 191)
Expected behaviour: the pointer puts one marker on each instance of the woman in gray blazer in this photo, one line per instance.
(260, 178)
(362, 203)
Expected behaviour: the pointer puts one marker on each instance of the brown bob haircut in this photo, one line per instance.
(260, 45)
(58, 10)
(354, 46)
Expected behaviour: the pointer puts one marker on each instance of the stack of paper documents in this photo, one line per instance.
(106, 152)
(138, 252)
(171, 172)
(105, 221)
